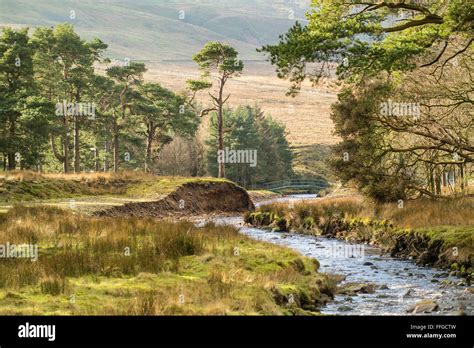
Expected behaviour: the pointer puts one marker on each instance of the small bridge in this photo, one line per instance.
(295, 184)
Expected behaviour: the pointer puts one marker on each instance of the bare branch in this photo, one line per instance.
(438, 56)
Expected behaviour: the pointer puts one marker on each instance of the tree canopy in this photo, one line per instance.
(405, 107)
(261, 140)
(221, 58)
(57, 109)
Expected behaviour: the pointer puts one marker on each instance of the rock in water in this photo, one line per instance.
(345, 308)
(426, 306)
(354, 288)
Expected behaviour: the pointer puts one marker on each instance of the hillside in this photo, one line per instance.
(157, 31)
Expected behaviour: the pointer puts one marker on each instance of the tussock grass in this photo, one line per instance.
(27, 175)
(429, 213)
(53, 285)
(79, 245)
(413, 214)
(132, 266)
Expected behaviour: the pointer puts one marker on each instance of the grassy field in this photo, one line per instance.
(132, 266)
(89, 192)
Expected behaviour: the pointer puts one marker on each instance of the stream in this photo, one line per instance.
(401, 283)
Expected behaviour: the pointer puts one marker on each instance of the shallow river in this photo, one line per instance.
(403, 282)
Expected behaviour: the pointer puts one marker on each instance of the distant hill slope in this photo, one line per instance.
(152, 30)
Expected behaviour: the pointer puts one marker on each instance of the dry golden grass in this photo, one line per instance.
(422, 213)
(429, 213)
(30, 176)
(425, 230)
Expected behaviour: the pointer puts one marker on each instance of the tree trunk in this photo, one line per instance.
(11, 161)
(116, 146)
(66, 154)
(431, 180)
(56, 154)
(66, 145)
(77, 159)
(106, 156)
(220, 129)
(462, 178)
(96, 159)
(11, 155)
(438, 180)
(150, 134)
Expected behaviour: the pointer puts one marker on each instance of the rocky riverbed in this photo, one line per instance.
(370, 282)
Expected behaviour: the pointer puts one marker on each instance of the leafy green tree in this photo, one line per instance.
(24, 116)
(360, 158)
(101, 90)
(162, 114)
(370, 37)
(222, 59)
(247, 129)
(277, 157)
(64, 67)
(385, 50)
(122, 98)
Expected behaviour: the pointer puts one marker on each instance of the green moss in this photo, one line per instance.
(452, 235)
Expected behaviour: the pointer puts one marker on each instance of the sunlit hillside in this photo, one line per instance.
(141, 29)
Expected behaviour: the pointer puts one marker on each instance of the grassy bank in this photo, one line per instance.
(24, 186)
(439, 233)
(128, 266)
(88, 192)
(262, 195)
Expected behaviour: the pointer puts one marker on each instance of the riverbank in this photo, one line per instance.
(141, 266)
(92, 193)
(194, 198)
(26, 186)
(439, 234)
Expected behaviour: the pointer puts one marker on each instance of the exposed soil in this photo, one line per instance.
(189, 199)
